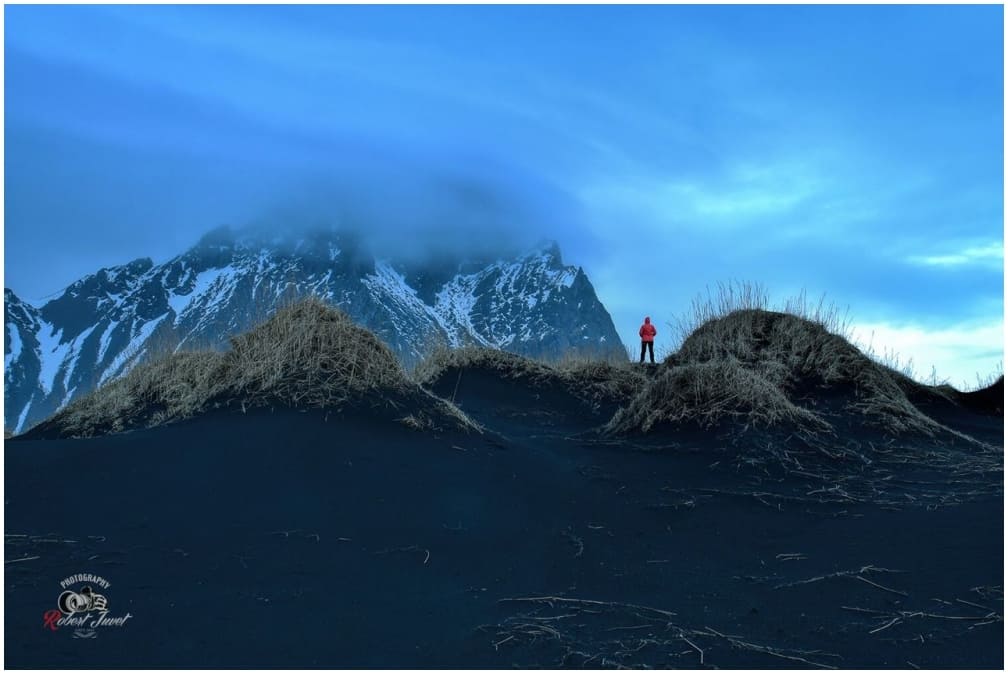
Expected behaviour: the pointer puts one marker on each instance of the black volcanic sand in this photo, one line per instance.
(300, 539)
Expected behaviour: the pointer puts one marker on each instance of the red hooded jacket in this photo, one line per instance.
(647, 331)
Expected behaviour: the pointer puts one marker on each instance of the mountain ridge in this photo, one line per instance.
(104, 323)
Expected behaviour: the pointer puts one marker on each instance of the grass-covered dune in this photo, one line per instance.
(309, 355)
(746, 363)
(742, 366)
(770, 368)
(783, 389)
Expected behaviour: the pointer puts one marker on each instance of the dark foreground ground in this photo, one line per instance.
(283, 539)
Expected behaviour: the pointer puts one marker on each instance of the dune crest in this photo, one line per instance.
(308, 355)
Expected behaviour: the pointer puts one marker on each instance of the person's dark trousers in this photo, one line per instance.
(646, 346)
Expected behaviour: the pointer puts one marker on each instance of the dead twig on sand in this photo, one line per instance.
(582, 632)
(285, 534)
(855, 573)
(739, 643)
(969, 603)
(22, 559)
(882, 587)
(631, 627)
(408, 548)
(886, 626)
(922, 614)
(791, 556)
(858, 609)
(989, 591)
(893, 618)
(497, 644)
(695, 647)
(588, 602)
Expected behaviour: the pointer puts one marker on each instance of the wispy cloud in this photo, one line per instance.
(737, 203)
(737, 198)
(959, 353)
(990, 254)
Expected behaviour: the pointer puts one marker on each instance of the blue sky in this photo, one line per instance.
(849, 150)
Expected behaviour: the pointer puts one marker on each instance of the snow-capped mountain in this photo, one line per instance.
(105, 323)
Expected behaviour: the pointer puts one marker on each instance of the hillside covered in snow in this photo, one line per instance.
(104, 323)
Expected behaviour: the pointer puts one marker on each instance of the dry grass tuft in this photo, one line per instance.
(739, 359)
(509, 365)
(727, 298)
(308, 355)
(986, 381)
(708, 394)
(801, 357)
(312, 353)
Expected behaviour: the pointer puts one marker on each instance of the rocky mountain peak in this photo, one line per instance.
(106, 322)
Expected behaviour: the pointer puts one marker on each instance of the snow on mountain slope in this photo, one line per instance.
(104, 323)
(22, 324)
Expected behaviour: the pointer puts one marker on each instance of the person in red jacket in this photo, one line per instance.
(647, 335)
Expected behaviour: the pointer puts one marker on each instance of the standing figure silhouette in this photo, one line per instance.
(647, 335)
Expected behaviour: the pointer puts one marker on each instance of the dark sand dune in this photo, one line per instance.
(496, 387)
(282, 538)
(507, 404)
(989, 400)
